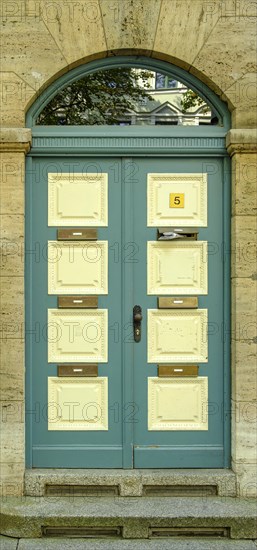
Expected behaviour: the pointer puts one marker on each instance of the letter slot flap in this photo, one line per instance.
(178, 302)
(177, 370)
(78, 370)
(177, 233)
(75, 234)
(78, 302)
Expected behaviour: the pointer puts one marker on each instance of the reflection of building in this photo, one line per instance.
(165, 109)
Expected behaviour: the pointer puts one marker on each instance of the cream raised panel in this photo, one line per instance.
(78, 336)
(178, 404)
(191, 209)
(177, 267)
(177, 336)
(77, 403)
(77, 268)
(78, 199)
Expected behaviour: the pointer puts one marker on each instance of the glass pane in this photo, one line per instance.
(124, 97)
(172, 83)
(160, 80)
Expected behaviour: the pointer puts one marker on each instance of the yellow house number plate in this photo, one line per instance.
(177, 200)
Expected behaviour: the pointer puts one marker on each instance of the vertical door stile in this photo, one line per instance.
(226, 216)
(28, 310)
(127, 306)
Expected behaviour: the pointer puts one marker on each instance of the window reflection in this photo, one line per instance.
(164, 82)
(127, 97)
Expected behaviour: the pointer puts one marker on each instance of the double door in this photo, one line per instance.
(111, 385)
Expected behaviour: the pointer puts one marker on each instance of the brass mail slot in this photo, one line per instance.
(185, 370)
(177, 302)
(174, 233)
(77, 302)
(77, 234)
(78, 370)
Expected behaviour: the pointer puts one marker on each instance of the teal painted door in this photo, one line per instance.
(142, 421)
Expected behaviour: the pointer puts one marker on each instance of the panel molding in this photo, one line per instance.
(178, 401)
(179, 456)
(68, 331)
(98, 402)
(192, 185)
(62, 198)
(94, 274)
(173, 326)
(160, 252)
(77, 456)
(94, 145)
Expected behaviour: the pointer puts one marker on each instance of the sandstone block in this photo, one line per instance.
(12, 307)
(30, 51)
(244, 247)
(11, 245)
(244, 371)
(77, 28)
(12, 183)
(229, 52)
(244, 431)
(246, 479)
(130, 23)
(180, 19)
(244, 184)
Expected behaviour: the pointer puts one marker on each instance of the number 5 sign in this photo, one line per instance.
(177, 200)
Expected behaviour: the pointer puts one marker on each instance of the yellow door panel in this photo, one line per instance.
(78, 336)
(77, 403)
(177, 336)
(77, 268)
(78, 199)
(178, 404)
(177, 199)
(177, 268)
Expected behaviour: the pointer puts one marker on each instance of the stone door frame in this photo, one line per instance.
(242, 147)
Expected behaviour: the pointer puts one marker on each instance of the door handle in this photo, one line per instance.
(137, 318)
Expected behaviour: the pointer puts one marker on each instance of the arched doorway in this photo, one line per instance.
(118, 217)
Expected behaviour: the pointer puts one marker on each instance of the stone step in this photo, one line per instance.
(129, 517)
(132, 482)
(81, 544)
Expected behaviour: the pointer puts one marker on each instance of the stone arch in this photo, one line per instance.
(154, 55)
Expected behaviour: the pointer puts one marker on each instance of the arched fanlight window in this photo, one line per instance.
(125, 96)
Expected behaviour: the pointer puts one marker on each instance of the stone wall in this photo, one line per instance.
(214, 40)
(242, 147)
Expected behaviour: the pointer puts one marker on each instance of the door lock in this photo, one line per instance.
(137, 318)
